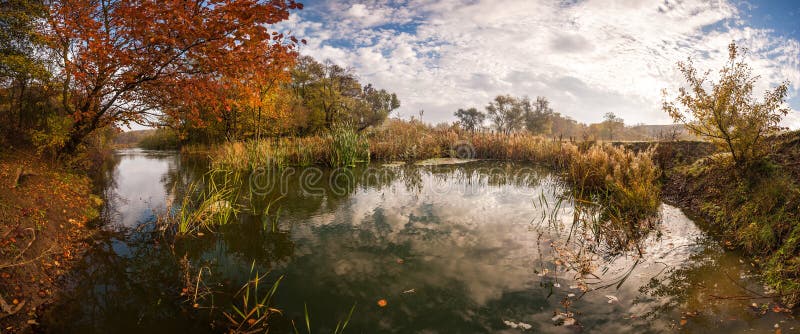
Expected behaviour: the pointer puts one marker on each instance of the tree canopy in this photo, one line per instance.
(470, 119)
(539, 119)
(507, 113)
(113, 54)
(725, 111)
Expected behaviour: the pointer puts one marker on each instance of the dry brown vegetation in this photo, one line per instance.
(625, 183)
(43, 217)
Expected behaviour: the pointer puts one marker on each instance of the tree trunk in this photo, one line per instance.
(80, 130)
(76, 136)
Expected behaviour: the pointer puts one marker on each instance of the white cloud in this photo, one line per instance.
(358, 10)
(589, 57)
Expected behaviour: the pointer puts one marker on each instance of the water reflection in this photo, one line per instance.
(453, 249)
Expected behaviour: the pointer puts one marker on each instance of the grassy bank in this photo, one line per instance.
(757, 210)
(44, 210)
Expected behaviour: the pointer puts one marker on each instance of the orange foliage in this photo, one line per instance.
(124, 59)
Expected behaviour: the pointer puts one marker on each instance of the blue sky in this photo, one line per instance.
(781, 16)
(588, 57)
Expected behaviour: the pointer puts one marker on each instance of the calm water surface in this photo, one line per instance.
(481, 247)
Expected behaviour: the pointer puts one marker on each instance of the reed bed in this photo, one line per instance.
(272, 152)
(624, 182)
(624, 186)
(411, 141)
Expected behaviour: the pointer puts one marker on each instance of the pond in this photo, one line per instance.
(477, 247)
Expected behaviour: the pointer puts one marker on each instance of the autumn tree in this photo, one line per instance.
(566, 126)
(114, 53)
(612, 124)
(246, 103)
(470, 119)
(539, 118)
(506, 113)
(23, 70)
(20, 36)
(725, 111)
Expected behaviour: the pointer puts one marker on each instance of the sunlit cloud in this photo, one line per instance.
(589, 57)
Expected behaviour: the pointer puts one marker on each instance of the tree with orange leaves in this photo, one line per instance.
(116, 54)
(242, 103)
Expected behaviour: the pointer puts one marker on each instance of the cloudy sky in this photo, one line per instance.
(588, 57)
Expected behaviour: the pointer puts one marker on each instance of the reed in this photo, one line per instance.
(347, 147)
(341, 325)
(206, 203)
(272, 152)
(409, 141)
(251, 314)
(623, 184)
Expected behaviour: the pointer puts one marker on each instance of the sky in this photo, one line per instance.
(589, 57)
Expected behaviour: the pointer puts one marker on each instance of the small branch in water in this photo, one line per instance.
(755, 295)
(743, 287)
(745, 297)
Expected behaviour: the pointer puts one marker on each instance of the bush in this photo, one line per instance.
(728, 115)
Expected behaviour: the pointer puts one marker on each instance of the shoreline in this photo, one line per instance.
(44, 231)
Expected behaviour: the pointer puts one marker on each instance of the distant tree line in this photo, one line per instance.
(509, 114)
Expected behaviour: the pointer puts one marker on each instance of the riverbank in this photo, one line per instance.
(757, 211)
(44, 212)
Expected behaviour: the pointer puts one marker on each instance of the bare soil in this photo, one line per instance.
(44, 211)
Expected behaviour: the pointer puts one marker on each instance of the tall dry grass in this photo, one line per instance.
(271, 152)
(624, 182)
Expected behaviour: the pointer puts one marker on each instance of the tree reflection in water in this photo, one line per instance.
(455, 248)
